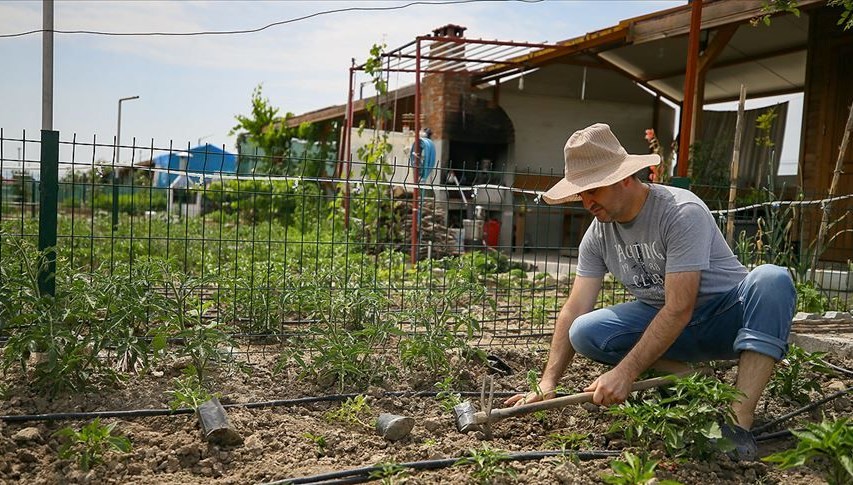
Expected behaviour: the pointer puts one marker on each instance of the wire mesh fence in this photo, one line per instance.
(274, 249)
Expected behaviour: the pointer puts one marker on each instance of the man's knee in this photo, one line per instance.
(772, 278)
(582, 336)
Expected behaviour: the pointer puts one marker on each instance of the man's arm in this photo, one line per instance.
(581, 300)
(681, 291)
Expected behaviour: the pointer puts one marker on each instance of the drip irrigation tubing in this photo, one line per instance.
(774, 436)
(363, 473)
(808, 407)
(138, 413)
(837, 368)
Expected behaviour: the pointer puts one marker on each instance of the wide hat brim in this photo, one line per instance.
(567, 190)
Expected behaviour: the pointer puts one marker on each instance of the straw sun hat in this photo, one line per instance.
(595, 158)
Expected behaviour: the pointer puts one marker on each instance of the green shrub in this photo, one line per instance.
(91, 443)
(686, 416)
(796, 375)
(829, 443)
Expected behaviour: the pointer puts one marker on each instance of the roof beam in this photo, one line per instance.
(636, 79)
(715, 47)
(733, 62)
(559, 50)
(714, 14)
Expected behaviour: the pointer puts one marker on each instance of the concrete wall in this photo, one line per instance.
(548, 109)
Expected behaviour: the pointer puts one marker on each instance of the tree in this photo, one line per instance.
(266, 130)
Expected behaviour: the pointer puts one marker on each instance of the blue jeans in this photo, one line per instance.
(755, 315)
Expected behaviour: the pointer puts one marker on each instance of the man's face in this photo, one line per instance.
(606, 203)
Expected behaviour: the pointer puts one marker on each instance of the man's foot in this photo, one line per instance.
(744, 447)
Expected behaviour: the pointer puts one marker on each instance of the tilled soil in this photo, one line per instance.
(278, 445)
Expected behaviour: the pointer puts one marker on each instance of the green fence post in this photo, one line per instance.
(47, 211)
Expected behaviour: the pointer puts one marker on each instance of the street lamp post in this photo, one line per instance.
(118, 152)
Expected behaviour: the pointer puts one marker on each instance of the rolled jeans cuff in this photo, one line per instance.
(748, 339)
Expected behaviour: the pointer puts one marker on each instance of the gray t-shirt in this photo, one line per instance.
(674, 232)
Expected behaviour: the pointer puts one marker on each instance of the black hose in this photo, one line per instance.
(361, 474)
(835, 367)
(137, 413)
(801, 410)
(774, 436)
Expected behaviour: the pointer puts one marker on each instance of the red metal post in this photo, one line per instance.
(417, 154)
(687, 106)
(347, 143)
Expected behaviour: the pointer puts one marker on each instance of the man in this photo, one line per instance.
(694, 300)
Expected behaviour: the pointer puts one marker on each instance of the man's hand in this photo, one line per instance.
(522, 398)
(612, 387)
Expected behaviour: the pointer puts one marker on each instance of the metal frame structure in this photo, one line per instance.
(487, 60)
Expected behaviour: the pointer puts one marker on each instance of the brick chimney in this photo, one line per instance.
(442, 93)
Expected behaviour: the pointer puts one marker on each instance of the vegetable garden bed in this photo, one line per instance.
(305, 440)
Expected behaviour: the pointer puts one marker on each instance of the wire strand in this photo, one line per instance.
(258, 29)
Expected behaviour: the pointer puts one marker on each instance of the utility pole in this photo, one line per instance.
(117, 161)
(47, 66)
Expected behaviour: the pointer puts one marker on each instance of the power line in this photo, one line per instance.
(265, 27)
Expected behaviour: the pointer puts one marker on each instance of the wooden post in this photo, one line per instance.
(833, 186)
(687, 107)
(730, 217)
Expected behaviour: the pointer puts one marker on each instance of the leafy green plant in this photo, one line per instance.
(829, 443)
(686, 419)
(846, 18)
(352, 411)
(532, 379)
(488, 464)
(389, 472)
(188, 391)
(91, 443)
(184, 313)
(567, 441)
(439, 327)
(542, 311)
(445, 396)
(633, 470)
(795, 376)
(49, 333)
(809, 298)
(318, 440)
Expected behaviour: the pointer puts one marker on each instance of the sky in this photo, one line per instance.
(190, 88)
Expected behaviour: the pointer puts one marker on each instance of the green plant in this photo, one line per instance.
(445, 396)
(532, 379)
(185, 316)
(829, 443)
(370, 200)
(439, 328)
(846, 17)
(189, 391)
(318, 440)
(388, 472)
(708, 162)
(488, 464)
(568, 441)
(809, 298)
(795, 376)
(542, 311)
(745, 249)
(634, 470)
(352, 411)
(91, 443)
(50, 333)
(686, 419)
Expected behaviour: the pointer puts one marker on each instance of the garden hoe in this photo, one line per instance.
(469, 419)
